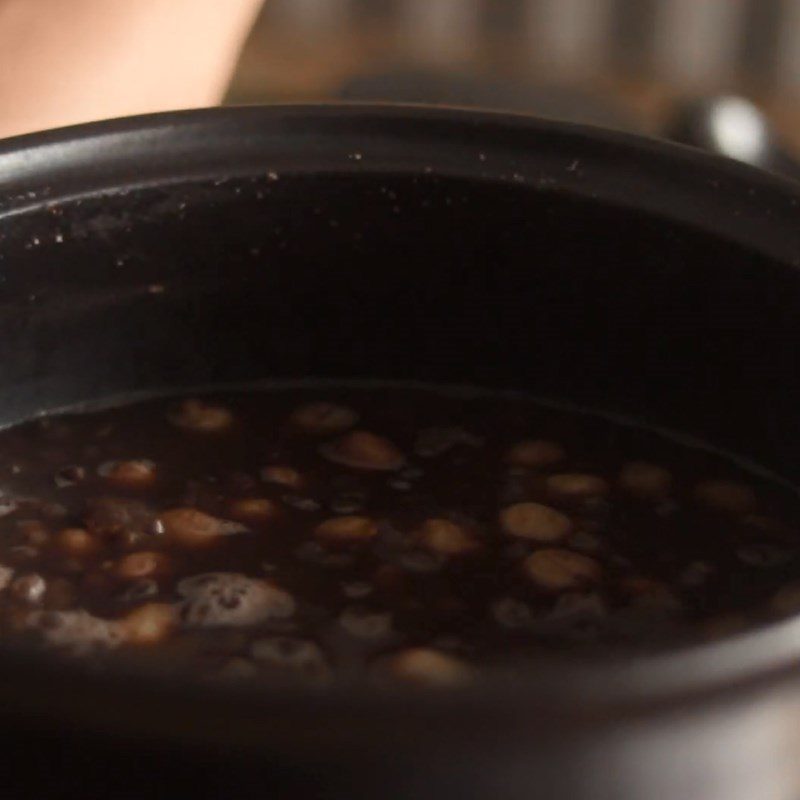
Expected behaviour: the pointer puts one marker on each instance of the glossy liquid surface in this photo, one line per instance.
(358, 532)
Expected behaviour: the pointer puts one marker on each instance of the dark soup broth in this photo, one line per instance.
(322, 533)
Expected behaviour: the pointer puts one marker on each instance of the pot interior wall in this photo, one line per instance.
(412, 278)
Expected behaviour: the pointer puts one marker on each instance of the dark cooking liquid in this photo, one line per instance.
(263, 534)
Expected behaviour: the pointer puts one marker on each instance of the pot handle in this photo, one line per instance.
(732, 126)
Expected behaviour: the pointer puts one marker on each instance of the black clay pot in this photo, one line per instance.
(224, 246)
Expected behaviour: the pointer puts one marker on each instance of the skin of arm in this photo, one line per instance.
(69, 61)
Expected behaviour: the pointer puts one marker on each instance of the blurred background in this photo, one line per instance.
(638, 65)
(623, 63)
